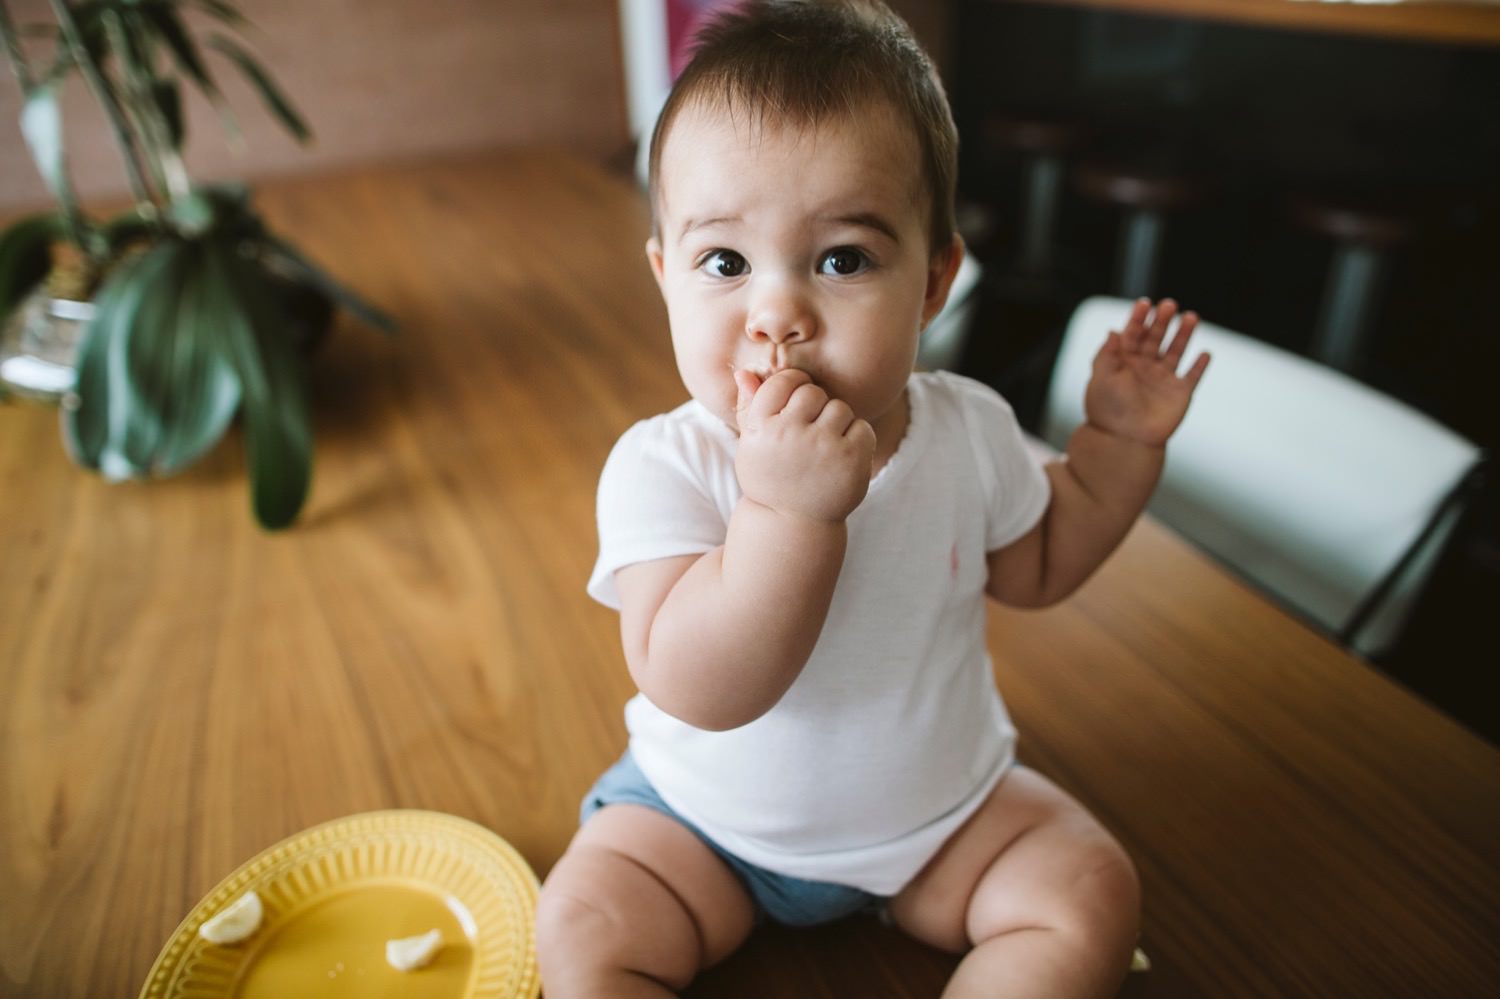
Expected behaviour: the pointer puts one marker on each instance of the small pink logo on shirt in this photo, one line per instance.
(953, 560)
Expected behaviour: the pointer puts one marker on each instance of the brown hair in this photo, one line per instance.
(802, 61)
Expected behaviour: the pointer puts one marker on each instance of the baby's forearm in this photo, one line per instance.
(1097, 494)
(737, 628)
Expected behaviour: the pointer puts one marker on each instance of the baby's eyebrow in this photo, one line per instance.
(865, 220)
(692, 224)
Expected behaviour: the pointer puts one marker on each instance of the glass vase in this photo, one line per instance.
(39, 346)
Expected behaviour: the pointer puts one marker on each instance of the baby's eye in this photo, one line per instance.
(724, 263)
(844, 261)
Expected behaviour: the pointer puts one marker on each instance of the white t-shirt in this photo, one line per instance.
(894, 733)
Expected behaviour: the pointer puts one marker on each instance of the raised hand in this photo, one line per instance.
(800, 452)
(1135, 391)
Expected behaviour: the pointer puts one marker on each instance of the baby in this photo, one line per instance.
(800, 554)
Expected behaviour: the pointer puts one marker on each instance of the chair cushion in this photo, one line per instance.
(1308, 482)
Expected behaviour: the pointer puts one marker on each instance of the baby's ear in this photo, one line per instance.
(653, 257)
(941, 270)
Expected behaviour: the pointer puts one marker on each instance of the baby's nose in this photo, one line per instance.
(780, 316)
(773, 332)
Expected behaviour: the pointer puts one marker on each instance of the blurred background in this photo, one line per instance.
(1324, 177)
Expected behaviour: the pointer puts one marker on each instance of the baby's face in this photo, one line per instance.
(796, 248)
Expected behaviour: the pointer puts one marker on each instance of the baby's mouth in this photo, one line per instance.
(762, 371)
(771, 363)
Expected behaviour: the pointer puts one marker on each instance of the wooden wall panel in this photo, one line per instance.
(377, 80)
(382, 80)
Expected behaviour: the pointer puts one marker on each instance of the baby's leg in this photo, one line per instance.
(636, 907)
(1045, 897)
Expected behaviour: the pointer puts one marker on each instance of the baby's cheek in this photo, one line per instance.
(713, 389)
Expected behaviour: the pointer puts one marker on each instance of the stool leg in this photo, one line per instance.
(1344, 317)
(1044, 177)
(1140, 245)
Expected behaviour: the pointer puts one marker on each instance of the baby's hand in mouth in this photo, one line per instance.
(748, 381)
(801, 451)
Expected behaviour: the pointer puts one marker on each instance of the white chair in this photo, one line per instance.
(942, 342)
(1331, 496)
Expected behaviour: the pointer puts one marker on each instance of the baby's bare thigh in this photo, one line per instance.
(1028, 857)
(637, 888)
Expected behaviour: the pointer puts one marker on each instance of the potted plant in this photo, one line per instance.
(198, 312)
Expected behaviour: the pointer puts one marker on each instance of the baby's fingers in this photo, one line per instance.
(862, 435)
(836, 416)
(746, 384)
(772, 396)
(1195, 373)
(1157, 331)
(806, 403)
(1135, 325)
(1178, 346)
(1111, 355)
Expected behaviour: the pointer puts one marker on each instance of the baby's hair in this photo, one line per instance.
(799, 62)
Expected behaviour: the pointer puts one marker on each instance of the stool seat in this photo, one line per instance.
(1042, 145)
(1363, 235)
(1134, 187)
(1033, 135)
(1146, 194)
(1354, 223)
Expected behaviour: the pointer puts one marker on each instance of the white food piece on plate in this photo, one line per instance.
(1139, 961)
(237, 921)
(411, 953)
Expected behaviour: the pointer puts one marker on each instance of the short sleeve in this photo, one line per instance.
(1017, 490)
(654, 502)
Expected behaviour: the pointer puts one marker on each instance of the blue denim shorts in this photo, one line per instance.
(789, 901)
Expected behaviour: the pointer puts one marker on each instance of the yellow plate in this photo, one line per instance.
(335, 893)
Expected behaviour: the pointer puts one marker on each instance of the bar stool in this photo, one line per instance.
(1146, 195)
(1364, 238)
(1043, 146)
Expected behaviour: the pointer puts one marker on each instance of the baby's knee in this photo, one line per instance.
(1104, 903)
(565, 919)
(593, 930)
(580, 942)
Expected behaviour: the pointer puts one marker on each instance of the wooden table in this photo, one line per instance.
(1445, 22)
(179, 690)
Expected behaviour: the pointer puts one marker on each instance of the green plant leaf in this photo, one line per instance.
(130, 37)
(275, 100)
(42, 127)
(125, 228)
(169, 26)
(96, 419)
(287, 258)
(62, 63)
(138, 370)
(194, 214)
(169, 99)
(90, 28)
(180, 389)
(26, 257)
(178, 368)
(231, 204)
(278, 431)
(223, 11)
(309, 312)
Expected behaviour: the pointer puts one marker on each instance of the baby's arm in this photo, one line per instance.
(717, 639)
(1134, 402)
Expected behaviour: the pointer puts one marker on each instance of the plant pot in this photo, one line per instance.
(39, 346)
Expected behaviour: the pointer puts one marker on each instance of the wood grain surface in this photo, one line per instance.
(1443, 22)
(179, 690)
